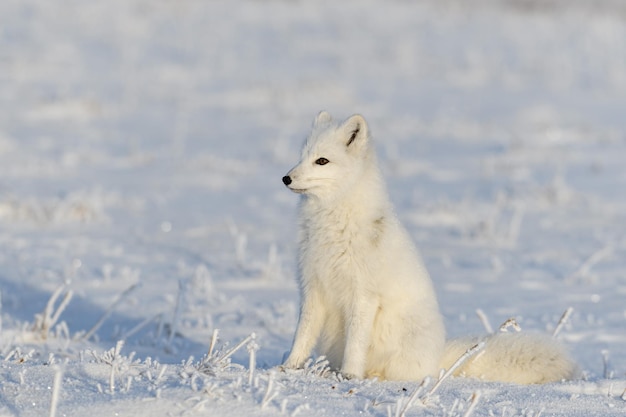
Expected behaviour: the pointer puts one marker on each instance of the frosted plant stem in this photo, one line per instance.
(586, 266)
(141, 325)
(411, 400)
(564, 318)
(118, 348)
(605, 363)
(47, 319)
(504, 327)
(108, 312)
(177, 307)
(299, 409)
(112, 380)
(473, 401)
(252, 362)
(213, 342)
(64, 303)
(11, 354)
(50, 306)
(236, 348)
(161, 373)
(468, 354)
(269, 395)
(116, 355)
(157, 336)
(484, 320)
(56, 387)
(398, 403)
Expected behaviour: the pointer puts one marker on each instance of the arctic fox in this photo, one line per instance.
(367, 301)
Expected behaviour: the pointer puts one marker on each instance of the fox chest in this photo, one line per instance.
(340, 257)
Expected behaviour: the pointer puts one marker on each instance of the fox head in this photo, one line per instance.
(333, 159)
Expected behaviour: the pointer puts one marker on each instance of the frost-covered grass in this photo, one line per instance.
(141, 149)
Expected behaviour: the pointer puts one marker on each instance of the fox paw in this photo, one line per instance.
(283, 368)
(348, 376)
(291, 364)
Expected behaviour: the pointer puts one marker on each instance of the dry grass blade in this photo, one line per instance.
(504, 327)
(472, 351)
(473, 401)
(45, 320)
(108, 312)
(56, 388)
(562, 321)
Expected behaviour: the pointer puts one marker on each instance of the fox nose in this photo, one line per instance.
(286, 180)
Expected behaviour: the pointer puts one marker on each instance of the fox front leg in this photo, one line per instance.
(358, 338)
(307, 332)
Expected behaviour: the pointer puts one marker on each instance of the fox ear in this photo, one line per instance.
(322, 117)
(355, 131)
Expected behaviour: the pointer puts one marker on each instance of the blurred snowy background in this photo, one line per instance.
(141, 149)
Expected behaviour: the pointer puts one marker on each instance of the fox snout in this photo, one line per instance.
(286, 180)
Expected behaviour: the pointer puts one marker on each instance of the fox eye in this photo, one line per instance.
(322, 161)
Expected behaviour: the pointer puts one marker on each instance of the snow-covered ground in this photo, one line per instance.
(142, 145)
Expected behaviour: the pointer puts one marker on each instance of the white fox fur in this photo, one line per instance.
(367, 301)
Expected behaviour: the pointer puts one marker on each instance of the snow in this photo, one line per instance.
(142, 145)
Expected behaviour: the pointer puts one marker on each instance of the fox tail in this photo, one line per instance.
(522, 358)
